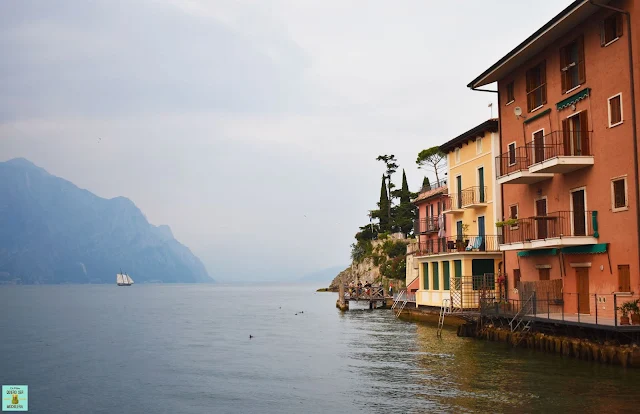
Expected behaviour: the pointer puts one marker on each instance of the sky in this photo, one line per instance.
(251, 128)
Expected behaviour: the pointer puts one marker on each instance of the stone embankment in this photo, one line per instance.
(606, 352)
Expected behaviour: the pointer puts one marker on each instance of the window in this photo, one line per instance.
(575, 135)
(513, 214)
(543, 274)
(512, 153)
(516, 277)
(624, 278)
(611, 29)
(425, 275)
(619, 194)
(478, 145)
(457, 155)
(445, 275)
(572, 72)
(537, 86)
(436, 276)
(615, 110)
(510, 96)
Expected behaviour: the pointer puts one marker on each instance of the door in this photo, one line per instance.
(481, 233)
(481, 191)
(538, 146)
(459, 229)
(457, 269)
(541, 222)
(579, 215)
(459, 190)
(578, 135)
(624, 278)
(582, 280)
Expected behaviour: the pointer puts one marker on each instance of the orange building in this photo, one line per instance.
(568, 163)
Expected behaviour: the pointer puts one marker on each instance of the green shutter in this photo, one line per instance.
(457, 268)
(445, 274)
(436, 277)
(425, 276)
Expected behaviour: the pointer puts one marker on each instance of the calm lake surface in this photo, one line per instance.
(186, 349)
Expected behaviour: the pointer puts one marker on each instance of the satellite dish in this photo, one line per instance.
(517, 111)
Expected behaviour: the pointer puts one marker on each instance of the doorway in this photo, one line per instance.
(541, 222)
(579, 218)
(538, 146)
(582, 287)
(481, 194)
(459, 190)
(481, 233)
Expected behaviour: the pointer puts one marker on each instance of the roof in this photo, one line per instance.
(431, 194)
(490, 125)
(567, 19)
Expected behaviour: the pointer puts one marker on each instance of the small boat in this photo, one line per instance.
(123, 279)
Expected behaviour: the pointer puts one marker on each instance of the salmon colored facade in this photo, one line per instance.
(568, 154)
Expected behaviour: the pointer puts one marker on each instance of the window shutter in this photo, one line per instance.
(563, 65)
(619, 25)
(602, 33)
(543, 82)
(566, 137)
(581, 69)
(584, 133)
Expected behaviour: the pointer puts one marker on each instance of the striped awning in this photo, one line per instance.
(573, 99)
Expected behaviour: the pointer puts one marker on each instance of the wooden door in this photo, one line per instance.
(538, 146)
(541, 224)
(582, 288)
(624, 278)
(579, 215)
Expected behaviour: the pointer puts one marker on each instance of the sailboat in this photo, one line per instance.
(123, 279)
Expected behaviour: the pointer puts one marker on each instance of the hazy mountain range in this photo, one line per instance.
(51, 231)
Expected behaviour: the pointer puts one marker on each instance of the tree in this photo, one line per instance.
(431, 160)
(383, 213)
(405, 212)
(425, 183)
(390, 163)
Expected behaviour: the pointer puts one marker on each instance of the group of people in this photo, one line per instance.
(358, 289)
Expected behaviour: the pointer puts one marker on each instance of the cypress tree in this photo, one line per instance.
(425, 183)
(383, 206)
(405, 212)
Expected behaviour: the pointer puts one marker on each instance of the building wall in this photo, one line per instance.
(607, 73)
(424, 211)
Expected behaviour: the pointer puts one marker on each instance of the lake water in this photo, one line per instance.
(186, 349)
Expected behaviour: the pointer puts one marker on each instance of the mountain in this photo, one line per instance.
(323, 275)
(54, 232)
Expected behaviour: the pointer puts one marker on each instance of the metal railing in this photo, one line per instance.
(571, 308)
(364, 293)
(427, 225)
(556, 224)
(559, 144)
(453, 244)
(433, 186)
(511, 162)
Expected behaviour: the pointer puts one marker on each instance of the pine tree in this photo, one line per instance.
(405, 211)
(425, 184)
(383, 207)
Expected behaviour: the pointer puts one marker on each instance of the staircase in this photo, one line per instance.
(444, 309)
(400, 302)
(518, 320)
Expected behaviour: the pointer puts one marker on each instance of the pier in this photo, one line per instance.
(363, 298)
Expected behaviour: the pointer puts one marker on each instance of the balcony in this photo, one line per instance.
(560, 152)
(457, 244)
(557, 229)
(426, 225)
(471, 197)
(512, 167)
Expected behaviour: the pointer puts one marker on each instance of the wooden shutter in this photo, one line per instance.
(516, 278)
(584, 133)
(513, 212)
(544, 274)
(582, 77)
(619, 25)
(543, 82)
(614, 108)
(563, 72)
(566, 137)
(619, 199)
(603, 35)
(624, 279)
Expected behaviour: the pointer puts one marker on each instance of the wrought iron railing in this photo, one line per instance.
(466, 197)
(433, 186)
(559, 144)
(427, 225)
(452, 244)
(511, 162)
(556, 224)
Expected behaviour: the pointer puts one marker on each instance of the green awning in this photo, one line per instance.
(573, 99)
(588, 249)
(538, 115)
(538, 252)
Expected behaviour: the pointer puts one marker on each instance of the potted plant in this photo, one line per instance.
(635, 312)
(624, 310)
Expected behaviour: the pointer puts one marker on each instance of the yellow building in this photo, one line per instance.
(465, 258)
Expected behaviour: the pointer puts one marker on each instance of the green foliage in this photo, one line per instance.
(394, 248)
(361, 250)
(383, 214)
(431, 159)
(405, 213)
(395, 268)
(367, 232)
(391, 167)
(425, 183)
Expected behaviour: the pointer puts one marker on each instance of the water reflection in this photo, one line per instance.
(406, 368)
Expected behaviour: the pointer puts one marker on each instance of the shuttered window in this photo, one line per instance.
(445, 274)
(624, 278)
(425, 275)
(510, 94)
(544, 274)
(512, 153)
(537, 86)
(516, 277)
(572, 69)
(611, 29)
(436, 276)
(619, 191)
(615, 110)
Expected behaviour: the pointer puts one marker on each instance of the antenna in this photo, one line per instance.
(518, 112)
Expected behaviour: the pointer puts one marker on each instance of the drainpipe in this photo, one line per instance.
(633, 109)
(504, 261)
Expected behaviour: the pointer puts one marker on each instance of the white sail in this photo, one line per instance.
(128, 279)
(119, 279)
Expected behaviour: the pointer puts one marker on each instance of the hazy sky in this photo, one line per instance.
(232, 120)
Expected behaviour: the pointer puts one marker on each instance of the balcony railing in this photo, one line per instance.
(426, 225)
(433, 186)
(559, 144)
(467, 197)
(511, 162)
(557, 224)
(454, 244)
